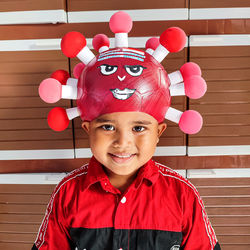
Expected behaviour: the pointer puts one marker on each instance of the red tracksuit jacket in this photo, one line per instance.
(160, 210)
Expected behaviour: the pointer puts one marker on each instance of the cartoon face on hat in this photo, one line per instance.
(124, 79)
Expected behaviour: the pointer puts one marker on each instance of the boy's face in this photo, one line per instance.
(123, 141)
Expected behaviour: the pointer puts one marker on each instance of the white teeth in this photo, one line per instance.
(122, 156)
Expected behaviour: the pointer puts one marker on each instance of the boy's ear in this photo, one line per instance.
(85, 126)
(161, 127)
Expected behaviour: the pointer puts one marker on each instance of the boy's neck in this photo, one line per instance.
(121, 182)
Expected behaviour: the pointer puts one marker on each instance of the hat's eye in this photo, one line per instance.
(134, 70)
(108, 69)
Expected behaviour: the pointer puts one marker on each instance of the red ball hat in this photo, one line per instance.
(124, 79)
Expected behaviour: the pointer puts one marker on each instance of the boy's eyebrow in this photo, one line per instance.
(142, 122)
(101, 120)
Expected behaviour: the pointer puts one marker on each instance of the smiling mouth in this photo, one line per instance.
(121, 158)
(122, 94)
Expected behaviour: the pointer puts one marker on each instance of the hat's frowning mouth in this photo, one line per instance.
(122, 94)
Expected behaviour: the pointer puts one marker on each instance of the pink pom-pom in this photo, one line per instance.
(173, 39)
(61, 75)
(99, 41)
(72, 43)
(152, 43)
(190, 69)
(50, 90)
(191, 122)
(120, 22)
(58, 119)
(195, 87)
(78, 70)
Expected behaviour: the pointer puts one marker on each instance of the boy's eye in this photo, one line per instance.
(108, 127)
(108, 69)
(134, 70)
(138, 128)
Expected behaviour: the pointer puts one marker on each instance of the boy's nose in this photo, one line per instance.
(123, 139)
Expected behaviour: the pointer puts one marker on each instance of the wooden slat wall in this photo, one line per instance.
(22, 208)
(227, 202)
(226, 105)
(23, 114)
(27, 5)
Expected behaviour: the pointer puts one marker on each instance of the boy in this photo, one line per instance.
(123, 200)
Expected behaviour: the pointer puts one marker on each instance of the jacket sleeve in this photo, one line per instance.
(53, 233)
(198, 233)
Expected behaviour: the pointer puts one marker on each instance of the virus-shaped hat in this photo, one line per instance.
(123, 79)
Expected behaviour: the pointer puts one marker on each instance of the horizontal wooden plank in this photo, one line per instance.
(218, 4)
(225, 63)
(18, 237)
(25, 113)
(226, 201)
(15, 199)
(76, 5)
(224, 131)
(235, 246)
(17, 228)
(226, 97)
(21, 218)
(227, 86)
(232, 230)
(224, 120)
(228, 211)
(34, 135)
(24, 124)
(222, 109)
(218, 141)
(218, 52)
(234, 239)
(36, 145)
(26, 208)
(220, 191)
(26, 5)
(230, 220)
(16, 245)
(224, 74)
(220, 182)
(25, 189)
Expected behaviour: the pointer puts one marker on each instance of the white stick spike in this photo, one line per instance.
(175, 77)
(85, 55)
(72, 113)
(177, 89)
(149, 51)
(72, 82)
(173, 115)
(69, 92)
(121, 40)
(160, 53)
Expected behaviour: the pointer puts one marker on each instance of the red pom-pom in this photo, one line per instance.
(61, 75)
(190, 69)
(173, 39)
(191, 122)
(50, 90)
(99, 41)
(120, 22)
(72, 43)
(195, 87)
(152, 43)
(78, 70)
(58, 119)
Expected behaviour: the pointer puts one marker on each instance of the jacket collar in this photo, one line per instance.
(148, 171)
